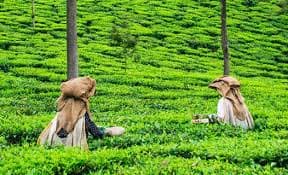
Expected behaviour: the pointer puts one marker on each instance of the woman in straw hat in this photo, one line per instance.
(72, 122)
(231, 107)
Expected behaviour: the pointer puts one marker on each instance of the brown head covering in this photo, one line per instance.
(74, 102)
(229, 88)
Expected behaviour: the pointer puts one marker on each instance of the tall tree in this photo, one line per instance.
(224, 38)
(72, 57)
(33, 14)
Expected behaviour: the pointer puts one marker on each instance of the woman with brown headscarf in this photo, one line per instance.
(72, 122)
(231, 107)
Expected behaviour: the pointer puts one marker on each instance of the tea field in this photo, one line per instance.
(153, 61)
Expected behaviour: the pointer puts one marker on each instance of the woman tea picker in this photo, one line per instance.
(72, 122)
(231, 107)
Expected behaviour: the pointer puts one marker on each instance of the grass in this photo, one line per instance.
(152, 92)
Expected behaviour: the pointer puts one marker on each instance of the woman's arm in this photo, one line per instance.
(92, 128)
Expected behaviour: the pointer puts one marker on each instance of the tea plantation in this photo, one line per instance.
(153, 61)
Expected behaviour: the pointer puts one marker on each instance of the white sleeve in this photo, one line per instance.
(221, 108)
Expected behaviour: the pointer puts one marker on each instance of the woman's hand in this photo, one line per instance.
(114, 131)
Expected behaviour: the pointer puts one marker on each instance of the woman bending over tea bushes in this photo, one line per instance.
(72, 123)
(231, 107)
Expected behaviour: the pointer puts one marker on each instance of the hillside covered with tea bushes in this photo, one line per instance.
(153, 61)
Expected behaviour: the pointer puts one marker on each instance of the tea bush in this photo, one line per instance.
(153, 92)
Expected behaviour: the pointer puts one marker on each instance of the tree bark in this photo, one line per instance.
(72, 57)
(224, 38)
(33, 14)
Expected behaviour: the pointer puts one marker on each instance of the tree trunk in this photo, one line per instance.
(224, 38)
(72, 60)
(33, 14)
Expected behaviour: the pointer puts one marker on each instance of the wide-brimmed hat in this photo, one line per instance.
(82, 87)
(231, 82)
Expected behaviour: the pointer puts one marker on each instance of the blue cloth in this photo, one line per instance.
(96, 132)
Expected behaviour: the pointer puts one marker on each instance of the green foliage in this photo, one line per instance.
(283, 4)
(250, 3)
(153, 61)
(172, 158)
(122, 38)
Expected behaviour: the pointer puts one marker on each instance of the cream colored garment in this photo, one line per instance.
(76, 138)
(71, 106)
(226, 114)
